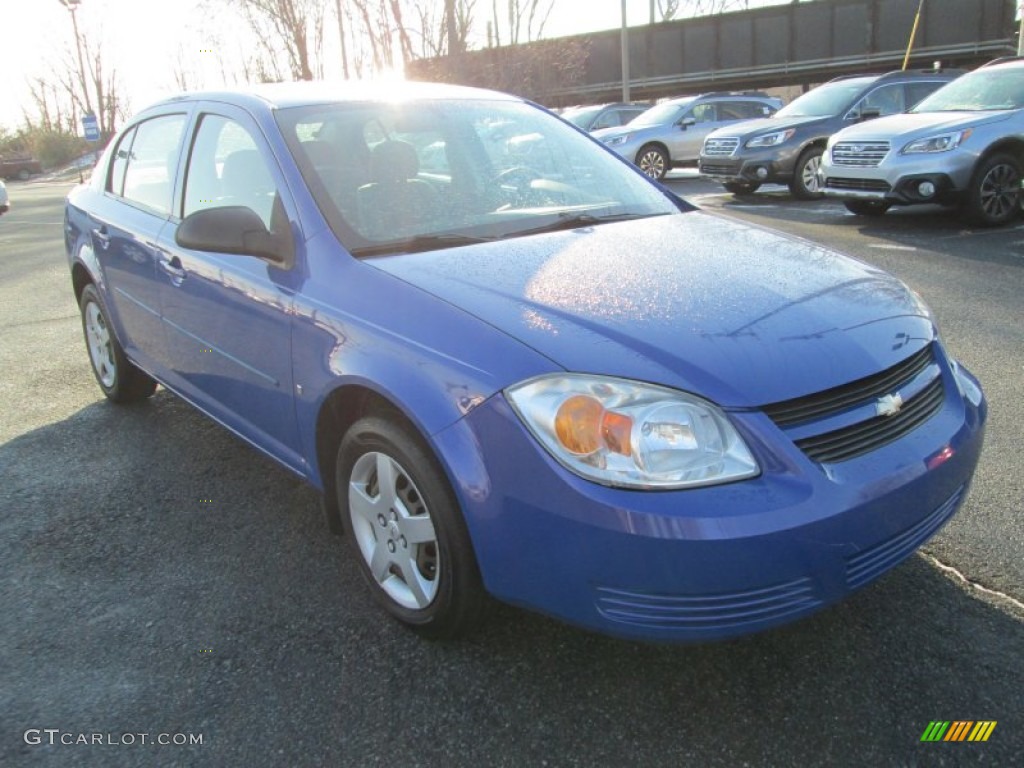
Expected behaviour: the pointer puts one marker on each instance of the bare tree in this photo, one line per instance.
(524, 20)
(297, 26)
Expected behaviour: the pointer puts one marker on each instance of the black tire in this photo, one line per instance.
(994, 197)
(431, 584)
(119, 379)
(653, 161)
(867, 207)
(742, 187)
(804, 184)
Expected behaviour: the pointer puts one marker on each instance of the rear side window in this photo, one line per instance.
(145, 161)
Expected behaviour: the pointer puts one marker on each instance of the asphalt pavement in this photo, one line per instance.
(161, 581)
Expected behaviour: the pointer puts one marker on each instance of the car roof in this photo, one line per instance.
(305, 93)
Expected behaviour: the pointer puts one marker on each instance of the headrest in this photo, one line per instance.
(394, 161)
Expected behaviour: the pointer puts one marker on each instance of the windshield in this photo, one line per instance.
(660, 114)
(398, 177)
(979, 91)
(581, 116)
(826, 100)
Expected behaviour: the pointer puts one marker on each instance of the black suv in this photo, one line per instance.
(786, 148)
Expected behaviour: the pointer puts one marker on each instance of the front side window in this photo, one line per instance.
(145, 162)
(226, 168)
(886, 99)
(407, 176)
(704, 113)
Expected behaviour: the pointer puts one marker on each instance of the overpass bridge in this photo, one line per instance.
(792, 44)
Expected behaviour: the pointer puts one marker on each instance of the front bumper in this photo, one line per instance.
(707, 563)
(770, 165)
(898, 179)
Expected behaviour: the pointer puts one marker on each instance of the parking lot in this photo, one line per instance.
(162, 578)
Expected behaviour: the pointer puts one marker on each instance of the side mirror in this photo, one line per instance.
(869, 113)
(686, 122)
(231, 229)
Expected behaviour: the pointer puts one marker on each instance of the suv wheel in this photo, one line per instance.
(994, 195)
(653, 161)
(742, 187)
(866, 207)
(804, 185)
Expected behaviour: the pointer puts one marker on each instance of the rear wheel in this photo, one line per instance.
(994, 197)
(653, 161)
(742, 187)
(805, 185)
(866, 207)
(406, 529)
(119, 379)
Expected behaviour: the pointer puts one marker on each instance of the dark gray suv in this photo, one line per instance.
(786, 148)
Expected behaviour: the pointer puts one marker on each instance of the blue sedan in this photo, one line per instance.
(515, 367)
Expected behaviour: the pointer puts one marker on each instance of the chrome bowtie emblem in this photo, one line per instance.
(889, 405)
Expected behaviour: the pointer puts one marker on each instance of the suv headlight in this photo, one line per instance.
(941, 143)
(771, 139)
(615, 141)
(631, 434)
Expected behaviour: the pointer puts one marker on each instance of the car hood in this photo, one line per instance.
(911, 125)
(749, 128)
(730, 311)
(629, 129)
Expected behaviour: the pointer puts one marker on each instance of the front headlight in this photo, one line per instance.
(615, 141)
(771, 139)
(941, 143)
(630, 434)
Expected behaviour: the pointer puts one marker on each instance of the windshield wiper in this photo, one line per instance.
(568, 220)
(419, 243)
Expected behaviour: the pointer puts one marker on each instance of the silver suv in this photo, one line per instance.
(671, 134)
(963, 145)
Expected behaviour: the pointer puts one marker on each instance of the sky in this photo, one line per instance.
(145, 38)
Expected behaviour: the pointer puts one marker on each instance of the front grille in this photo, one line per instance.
(871, 433)
(789, 412)
(707, 612)
(860, 154)
(867, 565)
(867, 436)
(717, 170)
(723, 147)
(868, 185)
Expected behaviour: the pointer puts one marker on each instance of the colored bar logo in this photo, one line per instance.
(959, 730)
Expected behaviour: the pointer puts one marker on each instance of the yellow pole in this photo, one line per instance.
(913, 34)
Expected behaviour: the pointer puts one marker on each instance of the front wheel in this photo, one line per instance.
(406, 529)
(994, 195)
(805, 184)
(866, 207)
(119, 379)
(653, 161)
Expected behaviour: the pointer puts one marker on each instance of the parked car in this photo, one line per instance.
(962, 146)
(565, 388)
(20, 168)
(5, 201)
(670, 134)
(787, 147)
(598, 116)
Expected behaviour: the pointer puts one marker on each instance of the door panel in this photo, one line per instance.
(226, 317)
